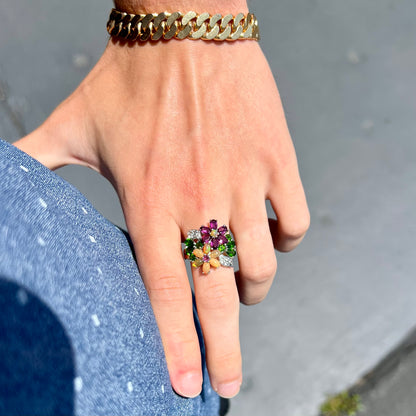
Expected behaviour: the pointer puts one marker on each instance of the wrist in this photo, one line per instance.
(199, 6)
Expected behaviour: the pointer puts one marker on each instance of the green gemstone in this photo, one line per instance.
(231, 252)
(199, 244)
(222, 247)
(231, 244)
(192, 257)
(229, 238)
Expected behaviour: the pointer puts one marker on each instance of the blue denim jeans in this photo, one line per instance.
(77, 331)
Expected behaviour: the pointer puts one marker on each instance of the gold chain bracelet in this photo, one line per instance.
(143, 27)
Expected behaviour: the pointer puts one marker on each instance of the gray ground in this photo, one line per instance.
(346, 73)
(396, 395)
(389, 389)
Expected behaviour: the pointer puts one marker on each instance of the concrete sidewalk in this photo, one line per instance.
(346, 73)
(395, 395)
(390, 388)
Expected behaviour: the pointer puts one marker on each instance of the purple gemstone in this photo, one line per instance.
(205, 230)
(223, 230)
(213, 224)
(205, 238)
(205, 258)
(214, 243)
(222, 239)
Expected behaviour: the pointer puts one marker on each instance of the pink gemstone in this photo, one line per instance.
(214, 243)
(213, 224)
(205, 258)
(223, 229)
(205, 238)
(222, 239)
(205, 230)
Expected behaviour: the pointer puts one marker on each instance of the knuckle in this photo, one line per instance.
(168, 289)
(260, 275)
(217, 297)
(180, 345)
(305, 221)
(180, 334)
(230, 364)
(296, 229)
(251, 299)
(254, 231)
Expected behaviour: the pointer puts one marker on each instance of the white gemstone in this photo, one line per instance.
(226, 261)
(194, 234)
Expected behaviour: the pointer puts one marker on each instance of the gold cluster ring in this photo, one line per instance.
(190, 25)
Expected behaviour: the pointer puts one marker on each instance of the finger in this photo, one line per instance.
(218, 310)
(256, 255)
(157, 243)
(62, 138)
(39, 145)
(288, 200)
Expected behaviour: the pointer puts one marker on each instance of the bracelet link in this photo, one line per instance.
(157, 26)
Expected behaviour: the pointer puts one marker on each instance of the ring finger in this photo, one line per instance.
(217, 302)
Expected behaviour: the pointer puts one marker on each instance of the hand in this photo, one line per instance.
(187, 131)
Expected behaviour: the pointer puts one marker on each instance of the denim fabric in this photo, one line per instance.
(77, 332)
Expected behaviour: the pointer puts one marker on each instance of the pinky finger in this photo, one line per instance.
(293, 219)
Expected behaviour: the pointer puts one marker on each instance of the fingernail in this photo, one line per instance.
(228, 390)
(189, 385)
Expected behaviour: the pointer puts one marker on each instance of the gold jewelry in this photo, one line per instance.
(143, 27)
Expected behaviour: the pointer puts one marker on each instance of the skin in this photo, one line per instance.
(187, 131)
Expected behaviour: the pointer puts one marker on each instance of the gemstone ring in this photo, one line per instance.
(210, 247)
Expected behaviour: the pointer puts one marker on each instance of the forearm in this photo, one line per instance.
(210, 6)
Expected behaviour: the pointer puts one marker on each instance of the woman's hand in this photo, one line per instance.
(187, 131)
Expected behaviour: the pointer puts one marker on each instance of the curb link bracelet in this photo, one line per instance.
(158, 26)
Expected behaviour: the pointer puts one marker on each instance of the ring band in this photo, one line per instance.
(210, 247)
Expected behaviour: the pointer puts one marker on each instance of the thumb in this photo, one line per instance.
(64, 138)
